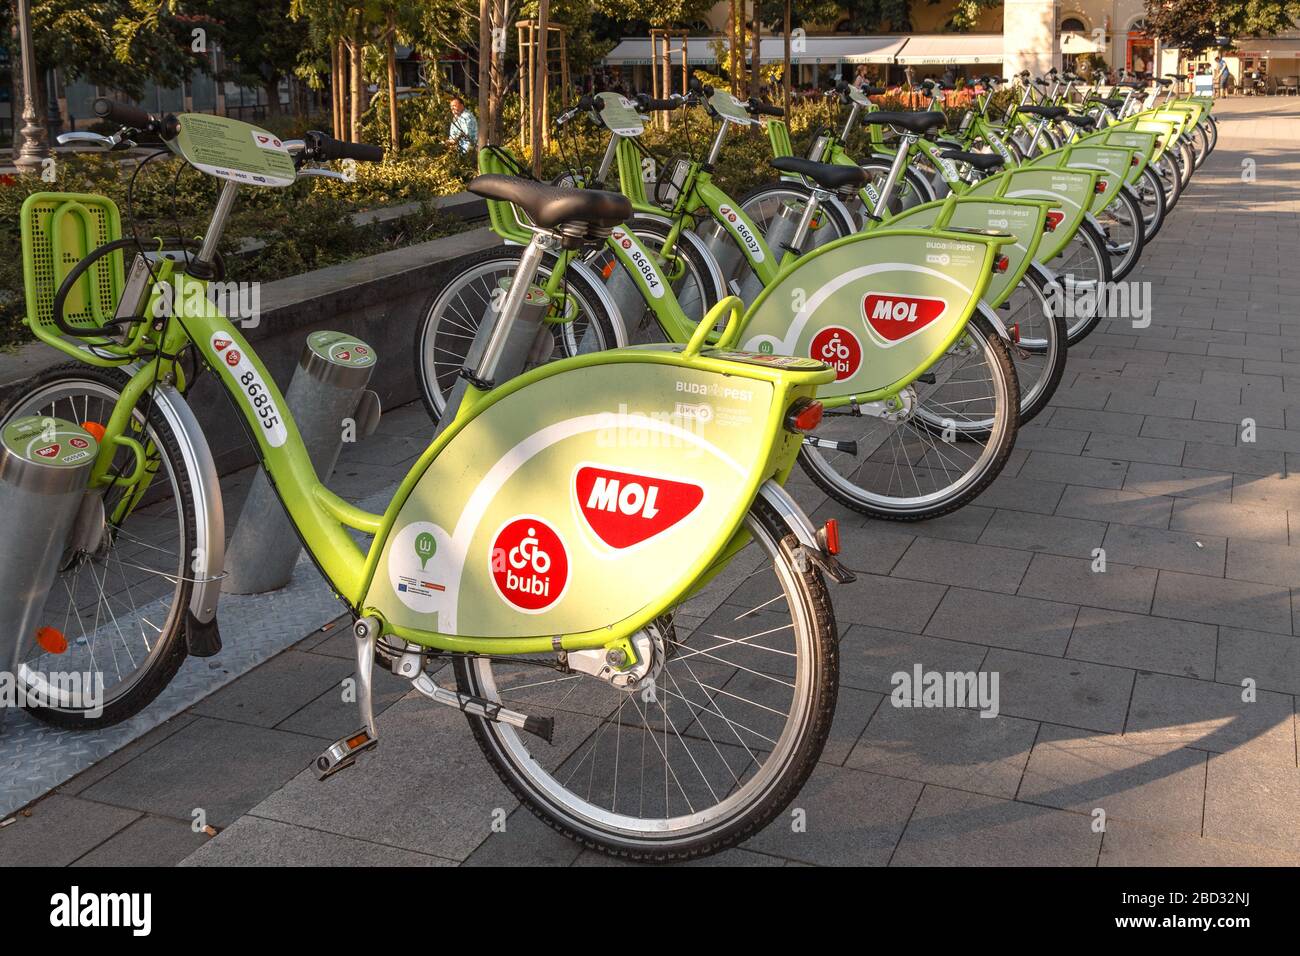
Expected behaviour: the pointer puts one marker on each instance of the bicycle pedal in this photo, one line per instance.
(343, 753)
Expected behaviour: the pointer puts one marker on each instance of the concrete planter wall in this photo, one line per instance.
(377, 298)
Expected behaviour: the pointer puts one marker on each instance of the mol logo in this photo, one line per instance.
(839, 348)
(529, 564)
(624, 509)
(894, 318)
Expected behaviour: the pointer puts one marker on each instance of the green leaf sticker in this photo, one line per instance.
(424, 548)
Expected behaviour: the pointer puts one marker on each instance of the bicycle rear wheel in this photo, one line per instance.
(120, 607)
(705, 751)
(452, 315)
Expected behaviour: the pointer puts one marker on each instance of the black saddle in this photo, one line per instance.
(826, 175)
(1081, 120)
(981, 161)
(548, 206)
(1046, 112)
(919, 122)
(1112, 103)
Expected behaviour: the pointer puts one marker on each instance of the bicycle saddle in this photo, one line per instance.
(981, 161)
(919, 122)
(1112, 103)
(1080, 120)
(1047, 112)
(548, 206)
(826, 175)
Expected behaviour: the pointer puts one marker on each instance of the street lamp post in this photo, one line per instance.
(32, 153)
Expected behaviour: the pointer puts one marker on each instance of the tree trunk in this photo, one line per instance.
(357, 49)
(485, 57)
(394, 133)
(756, 59)
(733, 44)
(786, 60)
(539, 84)
(501, 17)
(338, 82)
(272, 88)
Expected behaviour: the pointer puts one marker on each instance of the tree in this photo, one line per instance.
(1196, 24)
(259, 40)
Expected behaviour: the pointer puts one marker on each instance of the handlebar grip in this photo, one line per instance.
(649, 103)
(327, 147)
(125, 114)
(587, 102)
(763, 109)
(695, 86)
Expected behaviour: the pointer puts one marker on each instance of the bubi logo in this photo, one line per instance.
(894, 318)
(840, 349)
(529, 564)
(624, 509)
(232, 357)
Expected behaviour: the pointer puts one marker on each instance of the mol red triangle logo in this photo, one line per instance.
(895, 317)
(221, 344)
(624, 509)
(49, 451)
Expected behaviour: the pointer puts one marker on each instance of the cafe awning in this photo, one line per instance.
(633, 51)
(951, 49)
(1269, 46)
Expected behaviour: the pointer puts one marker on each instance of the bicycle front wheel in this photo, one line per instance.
(121, 606)
(949, 439)
(1123, 227)
(1083, 272)
(704, 751)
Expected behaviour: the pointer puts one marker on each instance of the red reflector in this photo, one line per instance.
(831, 535)
(1054, 219)
(805, 417)
(51, 640)
(1014, 331)
(1000, 264)
(1133, 160)
(1100, 187)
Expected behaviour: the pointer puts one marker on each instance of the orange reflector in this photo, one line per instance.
(95, 429)
(51, 640)
(831, 534)
(608, 271)
(1054, 219)
(804, 416)
(1000, 264)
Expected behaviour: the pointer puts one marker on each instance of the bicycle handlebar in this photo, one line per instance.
(321, 146)
(647, 103)
(126, 115)
(754, 106)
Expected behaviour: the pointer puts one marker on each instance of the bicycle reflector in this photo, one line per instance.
(804, 415)
(1000, 264)
(829, 537)
(51, 640)
(95, 428)
(1133, 160)
(1100, 187)
(1054, 218)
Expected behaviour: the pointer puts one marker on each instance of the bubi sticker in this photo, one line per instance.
(840, 349)
(895, 318)
(624, 509)
(529, 564)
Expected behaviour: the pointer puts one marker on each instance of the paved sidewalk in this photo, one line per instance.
(1120, 692)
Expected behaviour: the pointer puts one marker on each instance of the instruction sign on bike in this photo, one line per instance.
(230, 149)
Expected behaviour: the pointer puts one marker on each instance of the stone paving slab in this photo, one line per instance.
(1162, 691)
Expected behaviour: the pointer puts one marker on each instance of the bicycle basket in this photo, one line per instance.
(58, 230)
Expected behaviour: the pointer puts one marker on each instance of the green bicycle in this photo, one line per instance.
(563, 540)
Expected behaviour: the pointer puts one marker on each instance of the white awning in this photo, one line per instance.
(952, 49)
(1269, 46)
(633, 51)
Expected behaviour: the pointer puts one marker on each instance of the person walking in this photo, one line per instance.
(463, 133)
